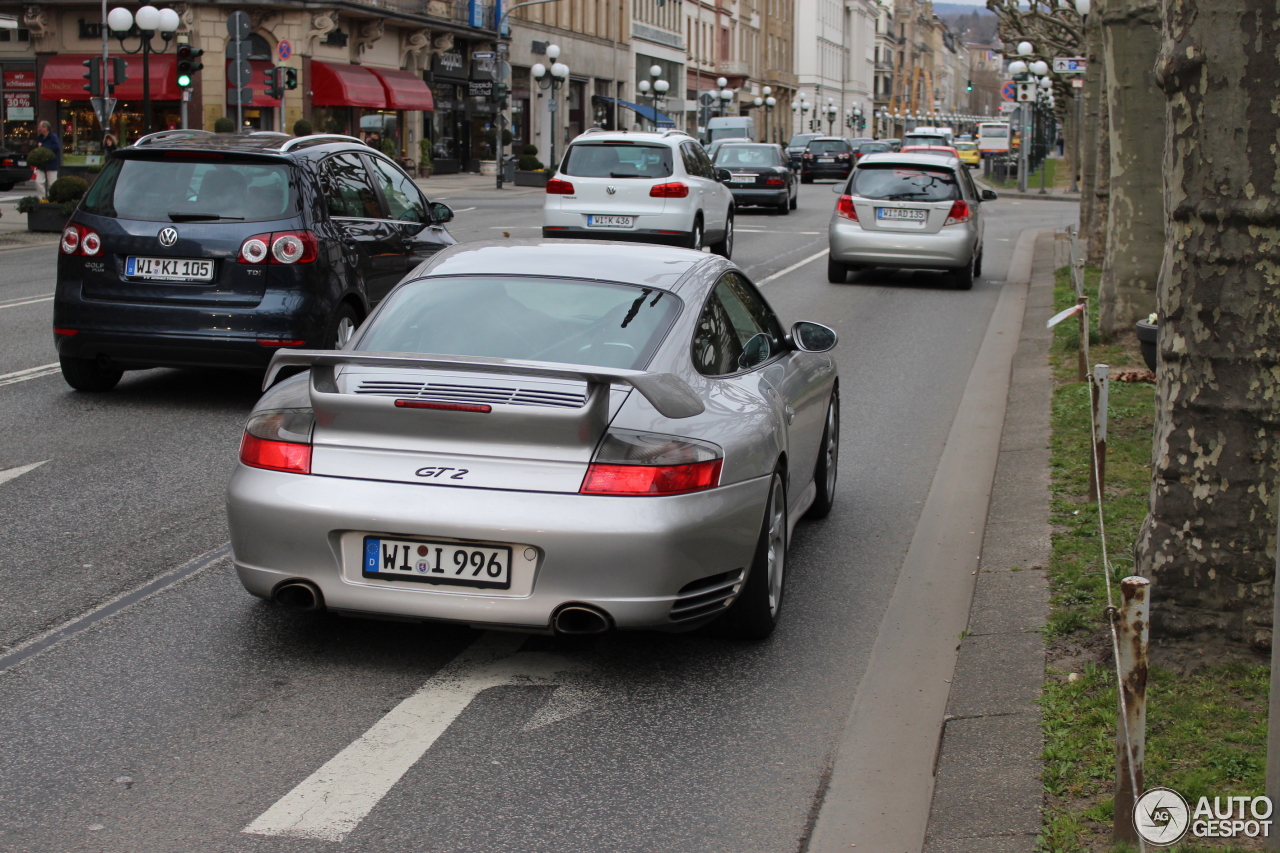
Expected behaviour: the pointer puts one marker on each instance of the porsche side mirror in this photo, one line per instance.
(812, 337)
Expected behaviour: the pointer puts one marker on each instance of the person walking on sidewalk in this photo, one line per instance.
(46, 175)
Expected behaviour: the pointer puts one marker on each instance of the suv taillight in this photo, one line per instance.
(555, 186)
(279, 440)
(636, 463)
(280, 247)
(845, 208)
(78, 240)
(959, 212)
(674, 189)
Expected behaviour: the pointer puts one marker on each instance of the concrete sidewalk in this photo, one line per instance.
(443, 186)
(988, 795)
(1050, 193)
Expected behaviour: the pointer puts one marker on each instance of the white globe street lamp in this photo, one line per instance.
(119, 20)
(1025, 48)
(1017, 67)
(148, 19)
(553, 52)
(1039, 68)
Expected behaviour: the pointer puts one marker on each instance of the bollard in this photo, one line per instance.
(1083, 320)
(1132, 631)
(1098, 464)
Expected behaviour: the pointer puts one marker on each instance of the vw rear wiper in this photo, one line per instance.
(179, 216)
(625, 175)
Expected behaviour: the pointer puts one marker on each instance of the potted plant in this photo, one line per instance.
(51, 215)
(425, 164)
(302, 127)
(530, 172)
(224, 125)
(1146, 330)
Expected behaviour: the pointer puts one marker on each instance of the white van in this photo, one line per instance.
(731, 127)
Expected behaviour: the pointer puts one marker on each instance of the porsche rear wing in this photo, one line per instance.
(668, 393)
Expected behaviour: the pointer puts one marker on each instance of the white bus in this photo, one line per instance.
(993, 137)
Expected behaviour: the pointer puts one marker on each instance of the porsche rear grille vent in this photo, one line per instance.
(706, 595)
(454, 393)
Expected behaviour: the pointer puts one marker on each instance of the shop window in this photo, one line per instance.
(331, 120)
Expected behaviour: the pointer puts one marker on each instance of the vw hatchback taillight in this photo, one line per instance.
(280, 247)
(278, 440)
(959, 212)
(673, 189)
(78, 240)
(555, 186)
(635, 463)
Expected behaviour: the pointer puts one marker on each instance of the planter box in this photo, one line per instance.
(1147, 340)
(489, 168)
(47, 217)
(532, 179)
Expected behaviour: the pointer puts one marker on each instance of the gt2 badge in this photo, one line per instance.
(435, 473)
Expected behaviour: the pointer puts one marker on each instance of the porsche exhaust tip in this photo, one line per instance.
(580, 620)
(299, 596)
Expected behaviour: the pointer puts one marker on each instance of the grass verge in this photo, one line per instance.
(1206, 725)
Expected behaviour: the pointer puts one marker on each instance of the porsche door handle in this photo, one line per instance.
(791, 414)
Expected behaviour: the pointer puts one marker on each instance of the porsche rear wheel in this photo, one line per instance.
(824, 472)
(755, 614)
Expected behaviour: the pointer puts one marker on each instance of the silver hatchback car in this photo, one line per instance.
(909, 211)
(545, 436)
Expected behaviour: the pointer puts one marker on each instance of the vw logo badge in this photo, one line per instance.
(611, 190)
(168, 236)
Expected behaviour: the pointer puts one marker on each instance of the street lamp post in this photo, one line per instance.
(552, 78)
(148, 20)
(858, 123)
(660, 88)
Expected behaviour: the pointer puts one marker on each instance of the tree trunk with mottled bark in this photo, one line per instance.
(1090, 130)
(1101, 196)
(1135, 222)
(1209, 539)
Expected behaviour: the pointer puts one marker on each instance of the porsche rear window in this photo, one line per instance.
(539, 319)
(176, 189)
(905, 183)
(613, 160)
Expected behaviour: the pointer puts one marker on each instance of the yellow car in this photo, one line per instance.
(969, 154)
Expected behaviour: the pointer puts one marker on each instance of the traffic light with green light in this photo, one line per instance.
(968, 86)
(291, 78)
(188, 64)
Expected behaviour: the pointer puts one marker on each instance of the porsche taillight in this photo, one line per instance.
(278, 440)
(638, 464)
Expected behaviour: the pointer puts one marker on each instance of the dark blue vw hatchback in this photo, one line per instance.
(200, 249)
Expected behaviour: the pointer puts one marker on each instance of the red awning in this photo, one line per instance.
(335, 85)
(63, 78)
(405, 90)
(257, 82)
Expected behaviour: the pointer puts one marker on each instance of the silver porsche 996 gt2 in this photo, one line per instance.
(566, 437)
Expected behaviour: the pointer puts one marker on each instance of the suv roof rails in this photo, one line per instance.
(671, 131)
(317, 139)
(165, 134)
(594, 129)
(269, 133)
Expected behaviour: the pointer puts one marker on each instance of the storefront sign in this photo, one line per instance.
(449, 64)
(483, 89)
(20, 80)
(17, 106)
(482, 66)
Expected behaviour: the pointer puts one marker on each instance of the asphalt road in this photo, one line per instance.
(187, 717)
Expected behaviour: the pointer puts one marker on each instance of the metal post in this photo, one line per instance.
(1025, 113)
(1082, 317)
(1075, 142)
(146, 80)
(1098, 470)
(239, 87)
(1273, 731)
(1133, 631)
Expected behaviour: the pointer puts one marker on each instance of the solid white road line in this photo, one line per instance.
(780, 273)
(331, 802)
(15, 473)
(464, 210)
(29, 373)
(27, 300)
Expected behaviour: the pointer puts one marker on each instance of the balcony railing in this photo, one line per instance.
(479, 15)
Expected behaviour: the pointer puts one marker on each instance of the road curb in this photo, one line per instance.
(1003, 193)
(882, 780)
(988, 792)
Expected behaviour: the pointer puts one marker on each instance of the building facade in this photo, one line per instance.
(835, 64)
(408, 69)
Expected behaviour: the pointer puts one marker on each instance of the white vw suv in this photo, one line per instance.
(641, 187)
